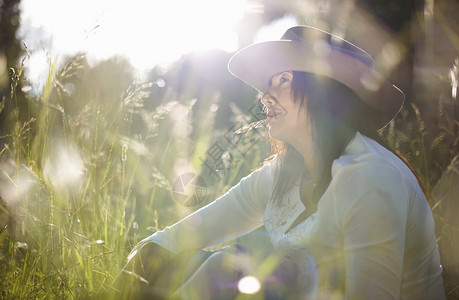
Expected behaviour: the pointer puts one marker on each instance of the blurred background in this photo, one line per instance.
(119, 118)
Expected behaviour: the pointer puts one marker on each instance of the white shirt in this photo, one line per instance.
(372, 236)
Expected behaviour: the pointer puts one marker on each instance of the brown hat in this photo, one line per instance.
(308, 49)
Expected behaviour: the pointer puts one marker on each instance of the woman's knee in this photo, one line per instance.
(216, 278)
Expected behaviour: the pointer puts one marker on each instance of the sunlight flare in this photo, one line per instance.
(146, 32)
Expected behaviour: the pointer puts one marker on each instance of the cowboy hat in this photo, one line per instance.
(308, 49)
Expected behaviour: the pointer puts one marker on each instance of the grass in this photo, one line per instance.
(86, 171)
(83, 182)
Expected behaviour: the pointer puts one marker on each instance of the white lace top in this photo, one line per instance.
(372, 236)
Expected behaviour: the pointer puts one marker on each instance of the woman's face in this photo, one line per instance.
(287, 121)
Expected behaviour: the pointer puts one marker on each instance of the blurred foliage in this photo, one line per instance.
(10, 45)
(446, 207)
(395, 14)
(10, 52)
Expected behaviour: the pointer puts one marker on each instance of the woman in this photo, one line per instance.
(333, 191)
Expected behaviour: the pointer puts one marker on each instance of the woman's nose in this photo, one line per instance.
(268, 100)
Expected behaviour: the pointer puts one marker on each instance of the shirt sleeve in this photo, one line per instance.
(371, 210)
(232, 215)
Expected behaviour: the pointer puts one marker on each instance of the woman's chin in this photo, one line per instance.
(275, 135)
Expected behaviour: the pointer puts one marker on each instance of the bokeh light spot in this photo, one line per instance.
(249, 285)
(65, 167)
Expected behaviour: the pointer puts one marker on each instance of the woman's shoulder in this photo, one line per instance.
(261, 177)
(269, 166)
(365, 157)
(367, 166)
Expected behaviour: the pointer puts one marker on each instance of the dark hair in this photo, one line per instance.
(335, 113)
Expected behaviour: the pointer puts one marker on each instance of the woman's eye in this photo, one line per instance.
(283, 80)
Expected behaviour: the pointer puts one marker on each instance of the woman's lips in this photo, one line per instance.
(272, 115)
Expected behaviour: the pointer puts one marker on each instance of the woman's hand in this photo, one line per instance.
(146, 265)
(148, 262)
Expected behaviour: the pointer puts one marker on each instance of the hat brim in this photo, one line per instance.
(256, 64)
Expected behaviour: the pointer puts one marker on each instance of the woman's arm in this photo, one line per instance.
(234, 214)
(373, 214)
